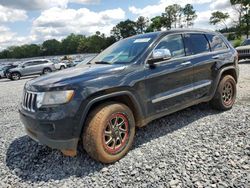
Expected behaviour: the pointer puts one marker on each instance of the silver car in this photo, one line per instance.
(2, 73)
(32, 67)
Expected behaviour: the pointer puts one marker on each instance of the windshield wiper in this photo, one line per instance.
(102, 62)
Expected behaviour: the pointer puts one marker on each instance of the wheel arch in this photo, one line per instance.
(124, 97)
(16, 72)
(229, 70)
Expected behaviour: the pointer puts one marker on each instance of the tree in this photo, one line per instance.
(219, 17)
(156, 24)
(51, 47)
(124, 29)
(189, 14)
(243, 20)
(141, 24)
(70, 44)
(172, 16)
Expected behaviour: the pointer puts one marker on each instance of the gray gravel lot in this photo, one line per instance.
(196, 147)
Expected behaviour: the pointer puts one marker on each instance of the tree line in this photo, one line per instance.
(174, 16)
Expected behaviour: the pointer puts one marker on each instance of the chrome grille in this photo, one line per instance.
(29, 101)
(244, 51)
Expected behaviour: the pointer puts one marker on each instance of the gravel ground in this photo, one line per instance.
(196, 147)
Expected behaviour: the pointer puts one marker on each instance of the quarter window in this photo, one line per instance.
(216, 43)
(195, 44)
(174, 44)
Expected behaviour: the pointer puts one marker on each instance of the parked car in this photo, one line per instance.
(2, 73)
(85, 61)
(244, 50)
(60, 65)
(32, 67)
(5, 69)
(131, 83)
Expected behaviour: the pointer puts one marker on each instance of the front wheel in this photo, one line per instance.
(225, 94)
(15, 76)
(109, 132)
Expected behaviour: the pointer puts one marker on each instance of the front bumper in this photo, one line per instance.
(58, 133)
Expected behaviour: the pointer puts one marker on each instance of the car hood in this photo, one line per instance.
(73, 75)
(243, 47)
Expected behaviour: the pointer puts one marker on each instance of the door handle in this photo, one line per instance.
(216, 57)
(186, 63)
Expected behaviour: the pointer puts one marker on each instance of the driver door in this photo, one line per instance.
(169, 83)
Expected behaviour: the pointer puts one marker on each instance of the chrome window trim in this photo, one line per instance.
(187, 56)
(181, 92)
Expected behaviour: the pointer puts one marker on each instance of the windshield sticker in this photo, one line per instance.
(142, 40)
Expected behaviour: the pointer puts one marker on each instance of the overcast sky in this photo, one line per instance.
(33, 21)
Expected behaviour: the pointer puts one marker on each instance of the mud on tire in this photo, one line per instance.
(109, 132)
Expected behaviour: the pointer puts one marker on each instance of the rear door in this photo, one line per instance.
(169, 84)
(198, 49)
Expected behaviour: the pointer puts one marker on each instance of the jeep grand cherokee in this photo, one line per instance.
(131, 83)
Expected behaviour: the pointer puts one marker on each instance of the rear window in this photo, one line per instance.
(195, 44)
(216, 42)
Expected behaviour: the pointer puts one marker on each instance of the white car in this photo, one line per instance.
(244, 50)
(60, 65)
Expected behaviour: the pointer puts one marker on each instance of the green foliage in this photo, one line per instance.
(156, 24)
(231, 36)
(141, 24)
(237, 42)
(51, 47)
(189, 14)
(243, 9)
(70, 45)
(218, 17)
(172, 16)
(124, 29)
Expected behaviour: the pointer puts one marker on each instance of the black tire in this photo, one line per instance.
(47, 70)
(15, 76)
(225, 94)
(62, 67)
(109, 132)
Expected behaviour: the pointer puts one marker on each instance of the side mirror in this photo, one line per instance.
(23, 66)
(158, 55)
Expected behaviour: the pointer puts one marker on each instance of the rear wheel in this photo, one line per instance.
(109, 132)
(47, 70)
(15, 76)
(225, 95)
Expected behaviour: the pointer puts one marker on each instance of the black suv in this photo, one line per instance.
(129, 84)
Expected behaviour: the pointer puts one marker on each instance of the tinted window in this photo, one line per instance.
(195, 44)
(216, 43)
(39, 62)
(174, 44)
(29, 63)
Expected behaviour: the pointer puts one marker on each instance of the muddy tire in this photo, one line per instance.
(109, 132)
(225, 94)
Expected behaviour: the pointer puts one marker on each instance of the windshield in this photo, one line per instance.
(246, 42)
(85, 61)
(125, 51)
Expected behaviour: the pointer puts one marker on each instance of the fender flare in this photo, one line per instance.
(218, 78)
(107, 96)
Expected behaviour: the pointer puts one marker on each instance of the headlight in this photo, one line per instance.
(53, 98)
